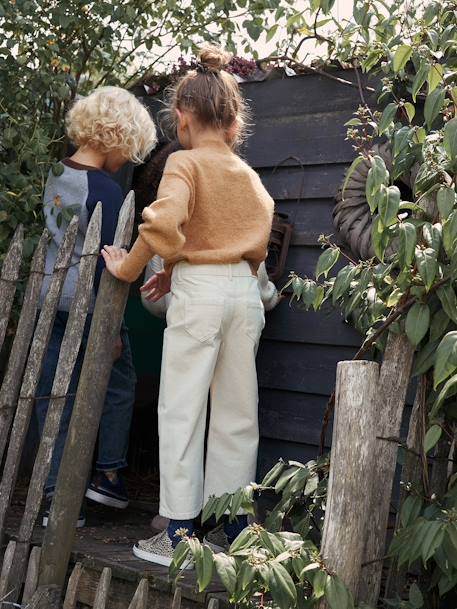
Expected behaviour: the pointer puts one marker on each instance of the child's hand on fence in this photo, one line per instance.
(157, 286)
(113, 257)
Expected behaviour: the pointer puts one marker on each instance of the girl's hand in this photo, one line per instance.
(113, 257)
(157, 286)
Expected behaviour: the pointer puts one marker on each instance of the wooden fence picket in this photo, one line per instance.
(79, 447)
(71, 594)
(101, 594)
(8, 278)
(6, 567)
(67, 357)
(31, 578)
(140, 598)
(20, 347)
(33, 371)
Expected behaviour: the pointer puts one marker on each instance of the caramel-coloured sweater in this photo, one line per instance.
(211, 208)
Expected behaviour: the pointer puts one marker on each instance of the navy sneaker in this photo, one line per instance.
(81, 518)
(102, 490)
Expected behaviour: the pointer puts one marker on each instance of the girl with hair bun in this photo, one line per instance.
(210, 223)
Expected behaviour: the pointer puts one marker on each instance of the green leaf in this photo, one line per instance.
(446, 358)
(389, 203)
(318, 580)
(244, 540)
(180, 556)
(450, 139)
(431, 437)
(410, 510)
(438, 326)
(433, 536)
(355, 163)
(445, 199)
(377, 176)
(226, 569)
(401, 57)
(425, 358)
(237, 500)
(416, 600)
(387, 117)
(419, 80)
(407, 245)
(378, 238)
(327, 261)
(417, 323)
(435, 76)
(448, 299)
(57, 169)
(273, 474)
(281, 586)
(343, 281)
(433, 106)
(205, 567)
(336, 593)
(448, 386)
(427, 265)
(222, 505)
(208, 510)
(450, 233)
(410, 111)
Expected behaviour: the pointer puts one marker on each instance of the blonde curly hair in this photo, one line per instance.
(111, 118)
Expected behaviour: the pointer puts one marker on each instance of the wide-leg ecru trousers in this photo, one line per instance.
(214, 323)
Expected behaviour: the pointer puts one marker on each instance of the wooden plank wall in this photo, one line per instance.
(301, 117)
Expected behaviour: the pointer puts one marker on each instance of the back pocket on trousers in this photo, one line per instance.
(255, 320)
(203, 317)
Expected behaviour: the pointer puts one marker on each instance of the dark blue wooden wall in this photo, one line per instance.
(298, 147)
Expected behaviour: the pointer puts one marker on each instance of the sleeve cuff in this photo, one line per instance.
(138, 257)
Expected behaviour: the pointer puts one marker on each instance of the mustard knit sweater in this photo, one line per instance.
(211, 208)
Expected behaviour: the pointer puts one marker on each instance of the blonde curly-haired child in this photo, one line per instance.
(108, 127)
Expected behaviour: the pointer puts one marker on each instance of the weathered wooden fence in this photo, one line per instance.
(37, 577)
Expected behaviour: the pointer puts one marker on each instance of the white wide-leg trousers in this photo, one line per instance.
(214, 323)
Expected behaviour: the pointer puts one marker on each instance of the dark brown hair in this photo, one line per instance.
(211, 94)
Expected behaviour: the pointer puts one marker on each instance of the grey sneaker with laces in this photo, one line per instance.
(217, 540)
(158, 549)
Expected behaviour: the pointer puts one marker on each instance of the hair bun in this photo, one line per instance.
(213, 59)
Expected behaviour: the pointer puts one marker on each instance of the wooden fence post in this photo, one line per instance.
(101, 594)
(33, 370)
(352, 469)
(67, 358)
(71, 595)
(8, 278)
(393, 383)
(31, 580)
(82, 433)
(20, 348)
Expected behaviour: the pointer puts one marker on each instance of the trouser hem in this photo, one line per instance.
(179, 515)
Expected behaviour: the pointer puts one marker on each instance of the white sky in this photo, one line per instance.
(341, 10)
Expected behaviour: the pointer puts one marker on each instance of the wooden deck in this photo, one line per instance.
(106, 541)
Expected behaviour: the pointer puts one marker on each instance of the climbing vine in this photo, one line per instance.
(409, 285)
